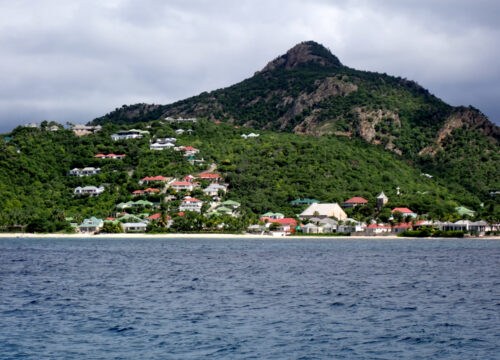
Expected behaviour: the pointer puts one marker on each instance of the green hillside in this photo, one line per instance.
(264, 174)
(308, 91)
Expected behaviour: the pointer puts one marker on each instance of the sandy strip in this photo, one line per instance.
(210, 236)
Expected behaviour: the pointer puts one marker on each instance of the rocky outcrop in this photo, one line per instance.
(307, 52)
(468, 118)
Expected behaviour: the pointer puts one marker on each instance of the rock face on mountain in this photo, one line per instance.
(305, 53)
(309, 91)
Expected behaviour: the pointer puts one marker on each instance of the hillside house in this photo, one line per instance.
(153, 179)
(146, 191)
(191, 204)
(213, 189)
(81, 130)
(89, 190)
(161, 146)
(210, 177)
(323, 210)
(129, 134)
(110, 156)
(181, 120)
(182, 186)
(303, 201)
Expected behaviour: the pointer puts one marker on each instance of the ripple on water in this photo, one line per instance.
(255, 299)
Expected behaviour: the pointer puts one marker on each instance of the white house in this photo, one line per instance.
(191, 204)
(182, 186)
(134, 227)
(129, 134)
(213, 189)
(81, 130)
(89, 190)
(181, 120)
(161, 146)
(350, 225)
(87, 171)
(179, 131)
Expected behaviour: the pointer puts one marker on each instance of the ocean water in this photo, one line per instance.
(249, 299)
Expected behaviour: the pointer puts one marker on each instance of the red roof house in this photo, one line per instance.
(352, 202)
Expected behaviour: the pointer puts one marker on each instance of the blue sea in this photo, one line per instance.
(249, 299)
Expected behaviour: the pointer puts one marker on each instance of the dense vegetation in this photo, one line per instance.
(264, 174)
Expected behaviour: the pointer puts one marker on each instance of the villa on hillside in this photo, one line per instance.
(161, 146)
(213, 189)
(250, 136)
(110, 156)
(210, 177)
(153, 179)
(191, 204)
(304, 201)
(146, 191)
(181, 120)
(182, 186)
(81, 130)
(89, 190)
(129, 134)
(323, 211)
(87, 171)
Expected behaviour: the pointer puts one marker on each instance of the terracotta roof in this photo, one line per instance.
(137, 192)
(99, 155)
(356, 200)
(191, 200)
(181, 183)
(154, 216)
(403, 210)
(377, 226)
(209, 176)
(154, 178)
(189, 148)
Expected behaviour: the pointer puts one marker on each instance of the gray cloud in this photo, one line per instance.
(76, 60)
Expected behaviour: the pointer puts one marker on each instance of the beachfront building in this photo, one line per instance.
(191, 204)
(91, 225)
(89, 190)
(134, 226)
(323, 210)
(350, 225)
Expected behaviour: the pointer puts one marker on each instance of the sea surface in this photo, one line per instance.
(249, 299)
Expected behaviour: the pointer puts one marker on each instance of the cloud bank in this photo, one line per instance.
(76, 60)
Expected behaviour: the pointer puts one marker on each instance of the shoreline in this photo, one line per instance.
(215, 236)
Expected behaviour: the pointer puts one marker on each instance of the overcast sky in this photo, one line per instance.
(74, 60)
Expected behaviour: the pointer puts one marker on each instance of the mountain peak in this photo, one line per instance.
(307, 52)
